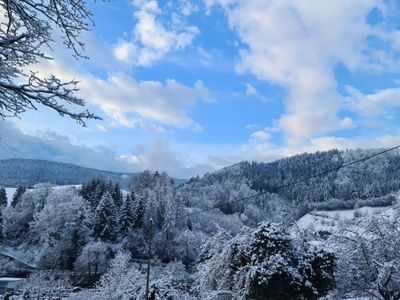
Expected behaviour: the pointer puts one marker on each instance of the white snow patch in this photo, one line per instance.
(62, 187)
(330, 220)
(10, 192)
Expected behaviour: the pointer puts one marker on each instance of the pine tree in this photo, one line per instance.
(1, 225)
(142, 181)
(17, 195)
(94, 189)
(180, 208)
(281, 271)
(168, 231)
(137, 210)
(151, 209)
(88, 188)
(99, 191)
(3, 197)
(125, 216)
(117, 195)
(271, 250)
(106, 219)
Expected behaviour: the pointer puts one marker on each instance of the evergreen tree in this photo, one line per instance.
(317, 268)
(142, 181)
(117, 195)
(165, 240)
(137, 210)
(266, 264)
(17, 195)
(88, 188)
(98, 193)
(1, 225)
(180, 208)
(3, 197)
(125, 216)
(106, 223)
(297, 273)
(151, 209)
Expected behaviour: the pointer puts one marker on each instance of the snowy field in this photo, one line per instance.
(331, 220)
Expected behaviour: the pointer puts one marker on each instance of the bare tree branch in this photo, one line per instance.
(24, 35)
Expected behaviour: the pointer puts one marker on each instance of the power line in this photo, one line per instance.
(296, 182)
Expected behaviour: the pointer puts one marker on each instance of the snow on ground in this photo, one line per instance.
(331, 220)
(61, 187)
(10, 192)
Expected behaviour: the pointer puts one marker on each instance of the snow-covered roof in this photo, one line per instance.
(8, 279)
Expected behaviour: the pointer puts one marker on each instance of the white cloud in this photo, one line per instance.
(188, 8)
(151, 39)
(297, 45)
(347, 123)
(49, 145)
(250, 90)
(160, 156)
(260, 135)
(101, 128)
(129, 102)
(265, 150)
(252, 126)
(119, 95)
(371, 105)
(124, 51)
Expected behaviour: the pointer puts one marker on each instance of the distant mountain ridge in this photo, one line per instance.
(14, 172)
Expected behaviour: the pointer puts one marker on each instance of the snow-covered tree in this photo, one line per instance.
(213, 267)
(265, 264)
(187, 246)
(116, 194)
(17, 219)
(106, 219)
(170, 281)
(93, 261)
(369, 258)
(121, 281)
(1, 224)
(46, 285)
(61, 229)
(137, 210)
(151, 209)
(26, 30)
(17, 195)
(125, 219)
(164, 240)
(142, 181)
(3, 197)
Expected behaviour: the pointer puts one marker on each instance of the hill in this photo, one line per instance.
(14, 172)
(369, 182)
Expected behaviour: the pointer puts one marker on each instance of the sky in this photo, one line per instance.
(188, 87)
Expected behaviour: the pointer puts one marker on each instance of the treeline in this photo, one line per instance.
(367, 183)
(81, 229)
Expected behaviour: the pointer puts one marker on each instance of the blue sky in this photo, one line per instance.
(192, 86)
